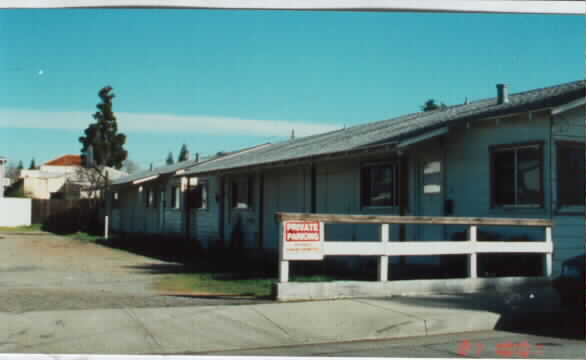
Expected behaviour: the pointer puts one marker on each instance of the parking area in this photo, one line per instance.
(41, 272)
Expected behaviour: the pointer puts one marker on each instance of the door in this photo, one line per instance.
(162, 209)
(430, 190)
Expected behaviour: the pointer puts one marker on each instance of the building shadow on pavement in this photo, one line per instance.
(532, 311)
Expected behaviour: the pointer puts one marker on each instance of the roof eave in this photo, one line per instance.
(379, 148)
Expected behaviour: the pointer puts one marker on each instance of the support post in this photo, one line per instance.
(283, 264)
(283, 271)
(547, 265)
(472, 258)
(383, 261)
(106, 227)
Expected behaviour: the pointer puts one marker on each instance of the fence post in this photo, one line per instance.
(547, 266)
(106, 227)
(472, 258)
(283, 264)
(383, 261)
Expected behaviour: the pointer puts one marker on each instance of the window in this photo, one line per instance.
(242, 193)
(115, 200)
(570, 174)
(517, 175)
(198, 196)
(149, 197)
(379, 185)
(175, 197)
(203, 204)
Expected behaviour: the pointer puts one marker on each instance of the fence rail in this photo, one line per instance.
(430, 220)
(383, 248)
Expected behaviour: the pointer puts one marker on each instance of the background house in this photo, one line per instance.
(514, 156)
(61, 178)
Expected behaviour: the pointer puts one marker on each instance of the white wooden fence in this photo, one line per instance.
(384, 248)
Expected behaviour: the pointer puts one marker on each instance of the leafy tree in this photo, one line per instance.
(102, 139)
(32, 166)
(431, 105)
(19, 166)
(169, 160)
(183, 154)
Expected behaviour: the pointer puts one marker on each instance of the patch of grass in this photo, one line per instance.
(84, 237)
(210, 284)
(29, 228)
(225, 284)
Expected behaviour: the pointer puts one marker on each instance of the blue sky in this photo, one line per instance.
(225, 79)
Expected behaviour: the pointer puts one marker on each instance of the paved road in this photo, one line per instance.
(48, 272)
(487, 344)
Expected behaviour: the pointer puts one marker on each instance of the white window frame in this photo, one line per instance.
(175, 197)
(394, 166)
(561, 208)
(539, 145)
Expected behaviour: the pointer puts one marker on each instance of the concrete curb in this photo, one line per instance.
(292, 291)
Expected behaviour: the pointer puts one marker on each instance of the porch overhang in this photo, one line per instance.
(425, 136)
(569, 106)
(305, 160)
(143, 180)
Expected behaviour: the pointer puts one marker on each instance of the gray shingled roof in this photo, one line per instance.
(156, 171)
(170, 169)
(396, 129)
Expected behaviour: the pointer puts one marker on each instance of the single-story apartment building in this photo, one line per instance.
(514, 155)
(162, 200)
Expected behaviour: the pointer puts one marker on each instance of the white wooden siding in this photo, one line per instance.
(205, 223)
(468, 168)
(286, 189)
(568, 231)
(115, 220)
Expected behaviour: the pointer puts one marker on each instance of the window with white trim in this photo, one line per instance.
(570, 173)
(175, 197)
(517, 175)
(379, 185)
(242, 193)
(198, 196)
(149, 197)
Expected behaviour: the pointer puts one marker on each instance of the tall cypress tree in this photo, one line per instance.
(183, 154)
(107, 145)
(170, 159)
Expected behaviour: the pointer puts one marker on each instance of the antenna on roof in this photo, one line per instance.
(292, 134)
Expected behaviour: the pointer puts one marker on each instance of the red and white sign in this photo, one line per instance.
(302, 240)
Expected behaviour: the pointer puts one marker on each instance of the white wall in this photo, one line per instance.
(205, 223)
(59, 169)
(15, 212)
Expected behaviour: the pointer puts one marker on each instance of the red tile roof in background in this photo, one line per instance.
(65, 160)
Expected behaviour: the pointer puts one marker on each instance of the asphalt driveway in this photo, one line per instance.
(47, 272)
